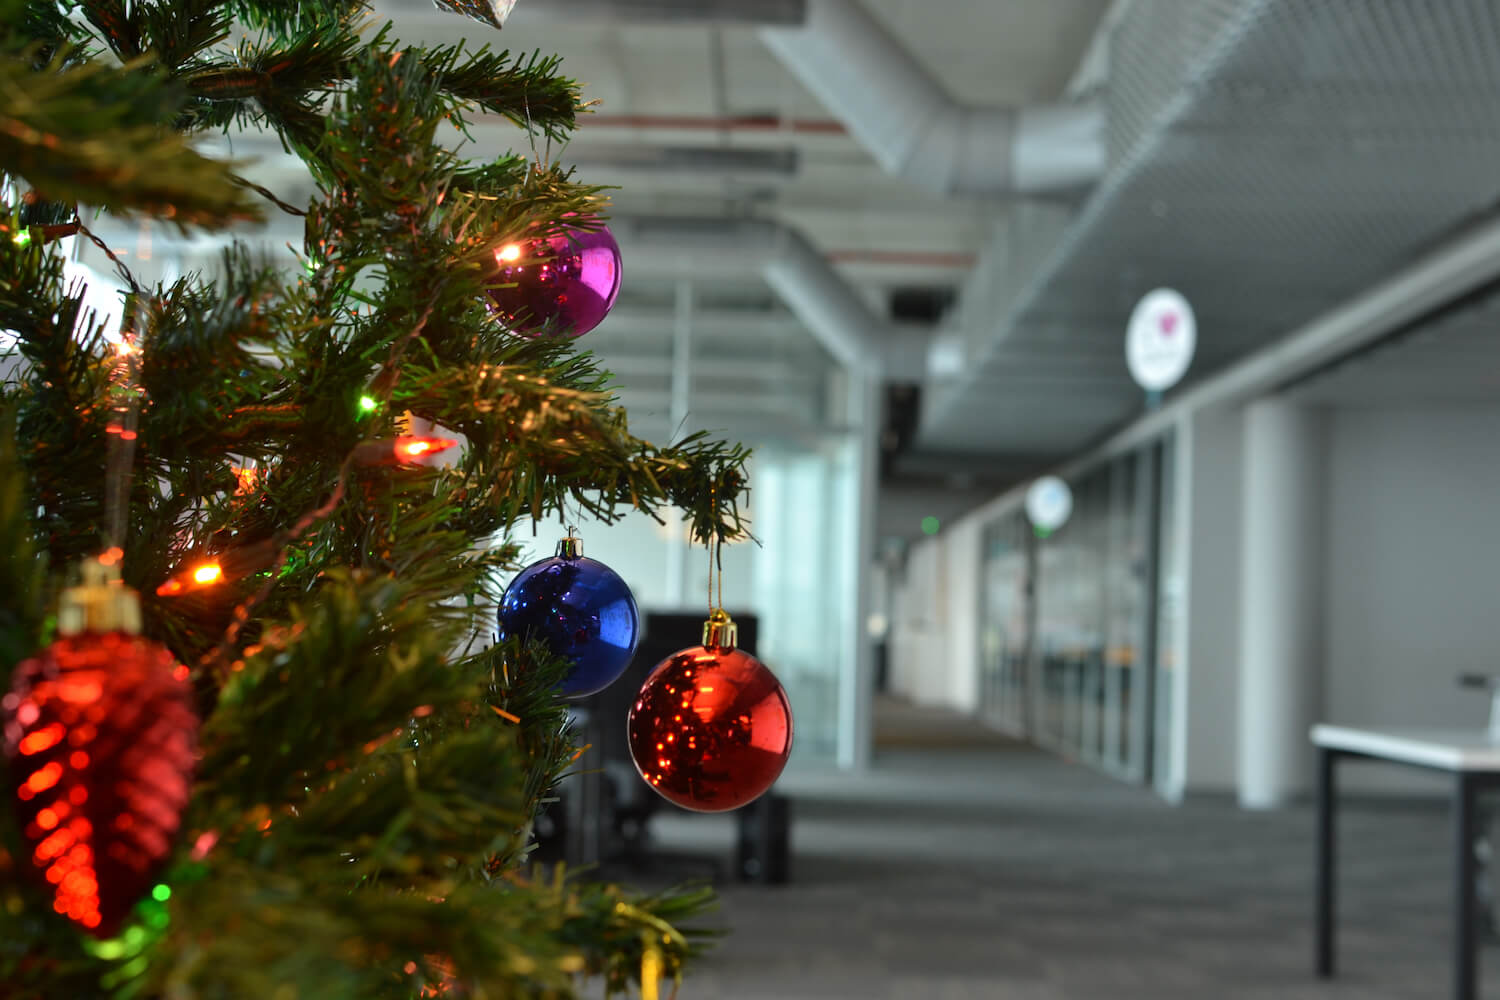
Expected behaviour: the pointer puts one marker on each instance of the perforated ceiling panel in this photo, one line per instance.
(1269, 160)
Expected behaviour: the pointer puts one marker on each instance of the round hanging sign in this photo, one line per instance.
(1049, 501)
(1160, 340)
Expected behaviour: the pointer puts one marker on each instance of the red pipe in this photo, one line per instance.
(717, 123)
(905, 258)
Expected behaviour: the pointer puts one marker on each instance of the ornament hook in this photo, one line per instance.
(100, 602)
(570, 547)
(720, 632)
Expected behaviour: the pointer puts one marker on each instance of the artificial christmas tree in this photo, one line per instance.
(238, 455)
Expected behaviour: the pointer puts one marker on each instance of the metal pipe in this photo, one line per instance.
(801, 276)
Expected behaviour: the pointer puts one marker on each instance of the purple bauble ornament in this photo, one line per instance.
(564, 284)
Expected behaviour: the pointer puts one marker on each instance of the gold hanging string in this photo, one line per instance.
(714, 547)
(710, 542)
(717, 540)
(125, 394)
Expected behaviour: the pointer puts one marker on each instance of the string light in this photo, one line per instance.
(412, 447)
(404, 450)
(203, 575)
(509, 253)
(247, 479)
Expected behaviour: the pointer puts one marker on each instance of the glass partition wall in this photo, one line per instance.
(1006, 625)
(1069, 621)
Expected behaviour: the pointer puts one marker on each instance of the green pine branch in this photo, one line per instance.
(87, 132)
(288, 17)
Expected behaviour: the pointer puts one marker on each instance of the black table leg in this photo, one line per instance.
(1327, 861)
(1465, 827)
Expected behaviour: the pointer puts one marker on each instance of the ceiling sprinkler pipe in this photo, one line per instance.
(801, 277)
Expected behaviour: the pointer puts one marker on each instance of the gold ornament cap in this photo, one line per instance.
(101, 603)
(570, 548)
(720, 631)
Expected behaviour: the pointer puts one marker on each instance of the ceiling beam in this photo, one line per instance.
(782, 13)
(696, 160)
(637, 321)
(793, 372)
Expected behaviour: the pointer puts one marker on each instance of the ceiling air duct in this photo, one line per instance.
(914, 129)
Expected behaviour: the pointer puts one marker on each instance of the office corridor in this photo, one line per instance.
(1007, 873)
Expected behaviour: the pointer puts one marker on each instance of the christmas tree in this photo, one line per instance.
(329, 765)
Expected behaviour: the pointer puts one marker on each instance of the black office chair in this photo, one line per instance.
(1485, 843)
(605, 816)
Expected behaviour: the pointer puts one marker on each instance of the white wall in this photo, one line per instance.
(934, 651)
(917, 655)
(1413, 568)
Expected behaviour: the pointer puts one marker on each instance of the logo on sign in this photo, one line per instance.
(1160, 341)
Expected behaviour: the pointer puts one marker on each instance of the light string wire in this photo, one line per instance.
(218, 659)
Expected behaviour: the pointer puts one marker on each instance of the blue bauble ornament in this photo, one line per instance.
(581, 609)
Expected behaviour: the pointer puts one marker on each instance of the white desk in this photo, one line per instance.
(1474, 761)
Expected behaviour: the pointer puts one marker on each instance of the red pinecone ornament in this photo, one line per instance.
(100, 733)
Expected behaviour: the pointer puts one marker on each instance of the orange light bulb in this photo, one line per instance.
(409, 448)
(203, 575)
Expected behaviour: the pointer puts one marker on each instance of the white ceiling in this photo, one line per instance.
(1269, 158)
(1011, 53)
(715, 86)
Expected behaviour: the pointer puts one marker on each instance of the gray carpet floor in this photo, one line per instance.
(1006, 873)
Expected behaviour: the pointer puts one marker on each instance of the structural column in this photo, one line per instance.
(1281, 619)
(857, 684)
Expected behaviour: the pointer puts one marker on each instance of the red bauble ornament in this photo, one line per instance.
(711, 729)
(100, 733)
